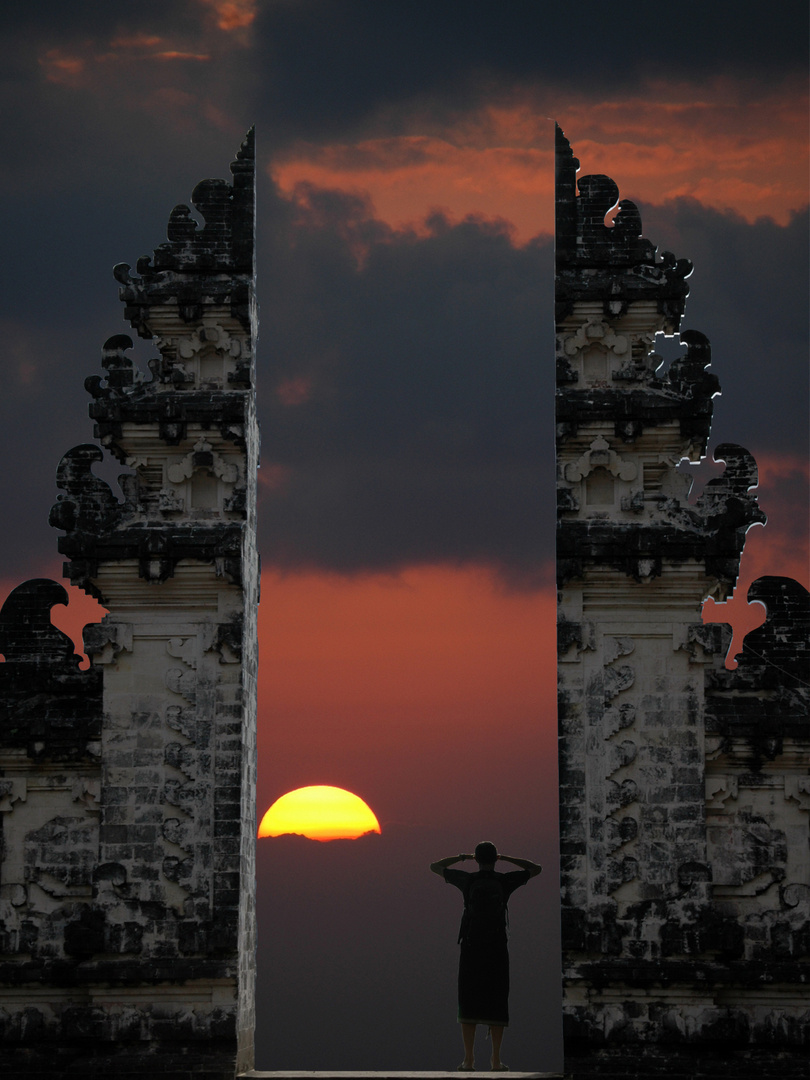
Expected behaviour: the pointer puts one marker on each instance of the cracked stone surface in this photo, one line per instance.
(127, 791)
(684, 798)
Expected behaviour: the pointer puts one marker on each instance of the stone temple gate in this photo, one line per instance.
(127, 791)
(684, 787)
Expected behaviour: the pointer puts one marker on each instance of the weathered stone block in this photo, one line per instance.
(673, 927)
(126, 863)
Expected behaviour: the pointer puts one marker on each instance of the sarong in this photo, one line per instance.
(483, 984)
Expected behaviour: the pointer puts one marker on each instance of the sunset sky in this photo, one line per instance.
(406, 399)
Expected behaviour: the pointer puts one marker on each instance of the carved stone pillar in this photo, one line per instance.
(647, 940)
(155, 964)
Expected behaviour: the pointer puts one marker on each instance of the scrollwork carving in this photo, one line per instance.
(601, 456)
(88, 505)
(27, 635)
(592, 332)
(122, 375)
(203, 456)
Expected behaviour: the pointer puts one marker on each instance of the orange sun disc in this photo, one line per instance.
(320, 813)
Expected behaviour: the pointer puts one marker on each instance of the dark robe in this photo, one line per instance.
(483, 967)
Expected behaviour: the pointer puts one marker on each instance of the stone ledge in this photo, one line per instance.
(352, 1074)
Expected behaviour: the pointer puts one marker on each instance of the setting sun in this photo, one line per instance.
(320, 813)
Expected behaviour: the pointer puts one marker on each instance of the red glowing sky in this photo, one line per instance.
(370, 683)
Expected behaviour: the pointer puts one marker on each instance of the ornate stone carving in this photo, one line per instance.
(128, 822)
(601, 456)
(203, 456)
(683, 786)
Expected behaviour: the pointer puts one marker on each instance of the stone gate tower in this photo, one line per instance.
(127, 792)
(684, 788)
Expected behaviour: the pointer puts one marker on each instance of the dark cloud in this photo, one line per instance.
(59, 305)
(329, 65)
(92, 96)
(82, 88)
(749, 295)
(91, 16)
(425, 432)
(407, 397)
(405, 380)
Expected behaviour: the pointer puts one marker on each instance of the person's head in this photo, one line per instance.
(486, 855)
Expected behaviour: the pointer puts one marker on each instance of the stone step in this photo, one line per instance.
(352, 1074)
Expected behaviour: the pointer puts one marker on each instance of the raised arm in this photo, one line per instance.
(524, 864)
(438, 867)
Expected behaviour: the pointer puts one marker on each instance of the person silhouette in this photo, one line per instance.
(483, 967)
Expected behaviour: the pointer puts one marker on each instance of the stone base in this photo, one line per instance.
(352, 1075)
(639, 1063)
(74, 1063)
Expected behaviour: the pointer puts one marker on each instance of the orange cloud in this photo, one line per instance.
(176, 54)
(408, 176)
(232, 14)
(152, 76)
(783, 546)
(294, 391)
(84, 70)
(136, 41)
(274, 477)
(60, 67)
(719, 143)
(23, 361)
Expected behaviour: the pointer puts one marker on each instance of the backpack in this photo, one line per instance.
(485, 917)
